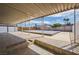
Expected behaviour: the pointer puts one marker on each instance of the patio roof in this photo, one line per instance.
(16, 13)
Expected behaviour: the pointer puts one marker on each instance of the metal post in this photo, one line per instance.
(74, 25)
(25, 24)
(29, 25)
(22, 28)
(42, 22)
(16, 28)
(7, 29)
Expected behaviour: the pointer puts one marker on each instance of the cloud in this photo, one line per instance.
(47, 22)
(39, 22)
(35, 22)
(55, 15)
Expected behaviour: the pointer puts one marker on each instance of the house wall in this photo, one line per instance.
(3, 29)
(10, 29)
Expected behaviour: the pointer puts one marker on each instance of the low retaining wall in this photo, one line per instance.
(53, 49)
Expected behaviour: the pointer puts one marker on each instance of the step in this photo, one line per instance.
(53, 46)
(40, 50)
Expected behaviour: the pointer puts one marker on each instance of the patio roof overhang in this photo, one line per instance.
(16, 13)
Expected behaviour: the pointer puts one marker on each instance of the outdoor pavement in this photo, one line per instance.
(62, 39)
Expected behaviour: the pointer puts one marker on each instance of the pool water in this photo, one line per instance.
(43, 32)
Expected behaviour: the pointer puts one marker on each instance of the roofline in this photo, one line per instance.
(49, 14)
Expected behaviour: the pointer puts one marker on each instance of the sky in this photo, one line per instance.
(51, 19)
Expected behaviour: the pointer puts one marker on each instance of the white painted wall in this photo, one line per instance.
(11, 29)
(4, 29)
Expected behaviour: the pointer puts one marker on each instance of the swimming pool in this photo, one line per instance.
(45, 32)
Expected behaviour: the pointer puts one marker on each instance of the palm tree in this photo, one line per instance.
(66, 20)
(36, 26)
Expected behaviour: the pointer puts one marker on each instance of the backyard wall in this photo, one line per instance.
(25, 28)
(63, 28)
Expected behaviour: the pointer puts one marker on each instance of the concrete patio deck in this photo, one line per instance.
(60, 40)
(8, 41)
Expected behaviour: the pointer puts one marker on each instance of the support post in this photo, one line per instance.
(74, 25)
(7, 29)
(16, 28)
(25, 26)
(29, 26)
(42, 22)
(22, 28)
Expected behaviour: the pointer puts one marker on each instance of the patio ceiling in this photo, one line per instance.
(16, 13)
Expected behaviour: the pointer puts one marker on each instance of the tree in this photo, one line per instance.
(36, 26)
(66, 21)
(56, 25)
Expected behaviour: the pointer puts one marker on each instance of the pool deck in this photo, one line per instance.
(61, 40)
(62, 36)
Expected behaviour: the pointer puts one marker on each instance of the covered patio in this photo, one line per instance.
(30, 43)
